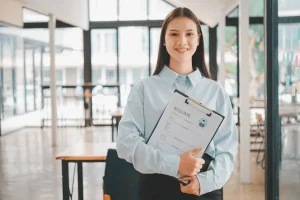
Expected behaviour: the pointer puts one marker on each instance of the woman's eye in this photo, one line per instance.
(173, 34)
(190, 34)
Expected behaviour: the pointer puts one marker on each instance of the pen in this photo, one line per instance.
(183, 183)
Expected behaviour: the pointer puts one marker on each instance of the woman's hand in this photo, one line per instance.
(193, 187)
(190, 165)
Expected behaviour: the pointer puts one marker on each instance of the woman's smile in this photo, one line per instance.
(181, 50)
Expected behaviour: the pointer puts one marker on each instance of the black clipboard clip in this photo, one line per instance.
(209, 111)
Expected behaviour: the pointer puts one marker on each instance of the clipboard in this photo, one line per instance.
(200, 107)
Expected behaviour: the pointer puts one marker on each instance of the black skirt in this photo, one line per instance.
(163, 187)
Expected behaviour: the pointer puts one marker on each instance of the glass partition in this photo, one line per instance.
(289, 109)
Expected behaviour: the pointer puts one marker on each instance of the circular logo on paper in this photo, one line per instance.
(202, 122)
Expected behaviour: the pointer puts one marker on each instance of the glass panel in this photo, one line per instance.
(20, 87)
(134, 59)
(29, 79)
(289, 109)
(68, 63)
(159, 9)
(154, 38)
(8, 101)
(104, 71)
(37, 77)
(256, 9)
(256, 62)
(234, 13)
(103, 10)
(11, 57)
(46, 76)
(104, 56)
(32, 16)
(205, 32)
(64, 37)
(288, 7)
(7, 74)
(231, 86)
(231, 61)
(133, 10)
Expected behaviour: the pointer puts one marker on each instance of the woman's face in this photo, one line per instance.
(181, 39)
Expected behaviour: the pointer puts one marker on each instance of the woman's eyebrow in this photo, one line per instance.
(185, 31)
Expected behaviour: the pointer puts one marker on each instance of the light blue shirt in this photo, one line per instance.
(145, 104)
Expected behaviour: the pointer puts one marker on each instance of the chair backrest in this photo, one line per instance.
(120, 178)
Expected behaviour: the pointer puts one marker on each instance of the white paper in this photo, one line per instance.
(184, 127)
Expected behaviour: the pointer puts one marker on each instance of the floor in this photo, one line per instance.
(29, 171)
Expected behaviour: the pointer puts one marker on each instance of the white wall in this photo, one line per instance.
(11, 13)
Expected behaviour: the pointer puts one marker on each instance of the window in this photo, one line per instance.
(256, 61)
(289, 73)
(288, 7)
(103, 10)
(154, 38)
(134, 55)
(256, 9)
(231, 61)
(288, 56)
(205, 34)
(29, 78)
(159, 9)
(133, 10)
(104, 56)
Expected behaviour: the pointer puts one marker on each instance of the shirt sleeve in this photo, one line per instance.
(131, 143)
(225, 142)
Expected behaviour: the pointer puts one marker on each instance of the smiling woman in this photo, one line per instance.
(180, 66)
(181, 39)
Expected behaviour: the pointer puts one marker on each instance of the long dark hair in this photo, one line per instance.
(198, 59)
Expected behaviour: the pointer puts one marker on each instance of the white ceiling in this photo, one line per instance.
(208, 11)
(69, 11)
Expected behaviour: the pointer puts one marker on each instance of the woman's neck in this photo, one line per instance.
(182, 68)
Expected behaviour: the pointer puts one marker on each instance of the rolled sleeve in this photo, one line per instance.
(170, 165)
(206, 181)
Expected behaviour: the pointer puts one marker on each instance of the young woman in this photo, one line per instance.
(181, 66)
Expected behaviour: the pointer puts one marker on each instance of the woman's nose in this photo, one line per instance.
(182, 40)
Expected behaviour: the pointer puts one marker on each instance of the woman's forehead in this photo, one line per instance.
(182, 24)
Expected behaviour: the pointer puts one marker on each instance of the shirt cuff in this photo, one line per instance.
(170, 165)
(207, 183)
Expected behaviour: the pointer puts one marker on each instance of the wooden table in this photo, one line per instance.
(79, 153)
(116, 114)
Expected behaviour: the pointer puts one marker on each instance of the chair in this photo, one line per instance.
(120, 181)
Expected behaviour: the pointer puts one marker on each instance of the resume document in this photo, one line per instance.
(185, 125)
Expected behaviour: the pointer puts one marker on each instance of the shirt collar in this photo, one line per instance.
(170, 76)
